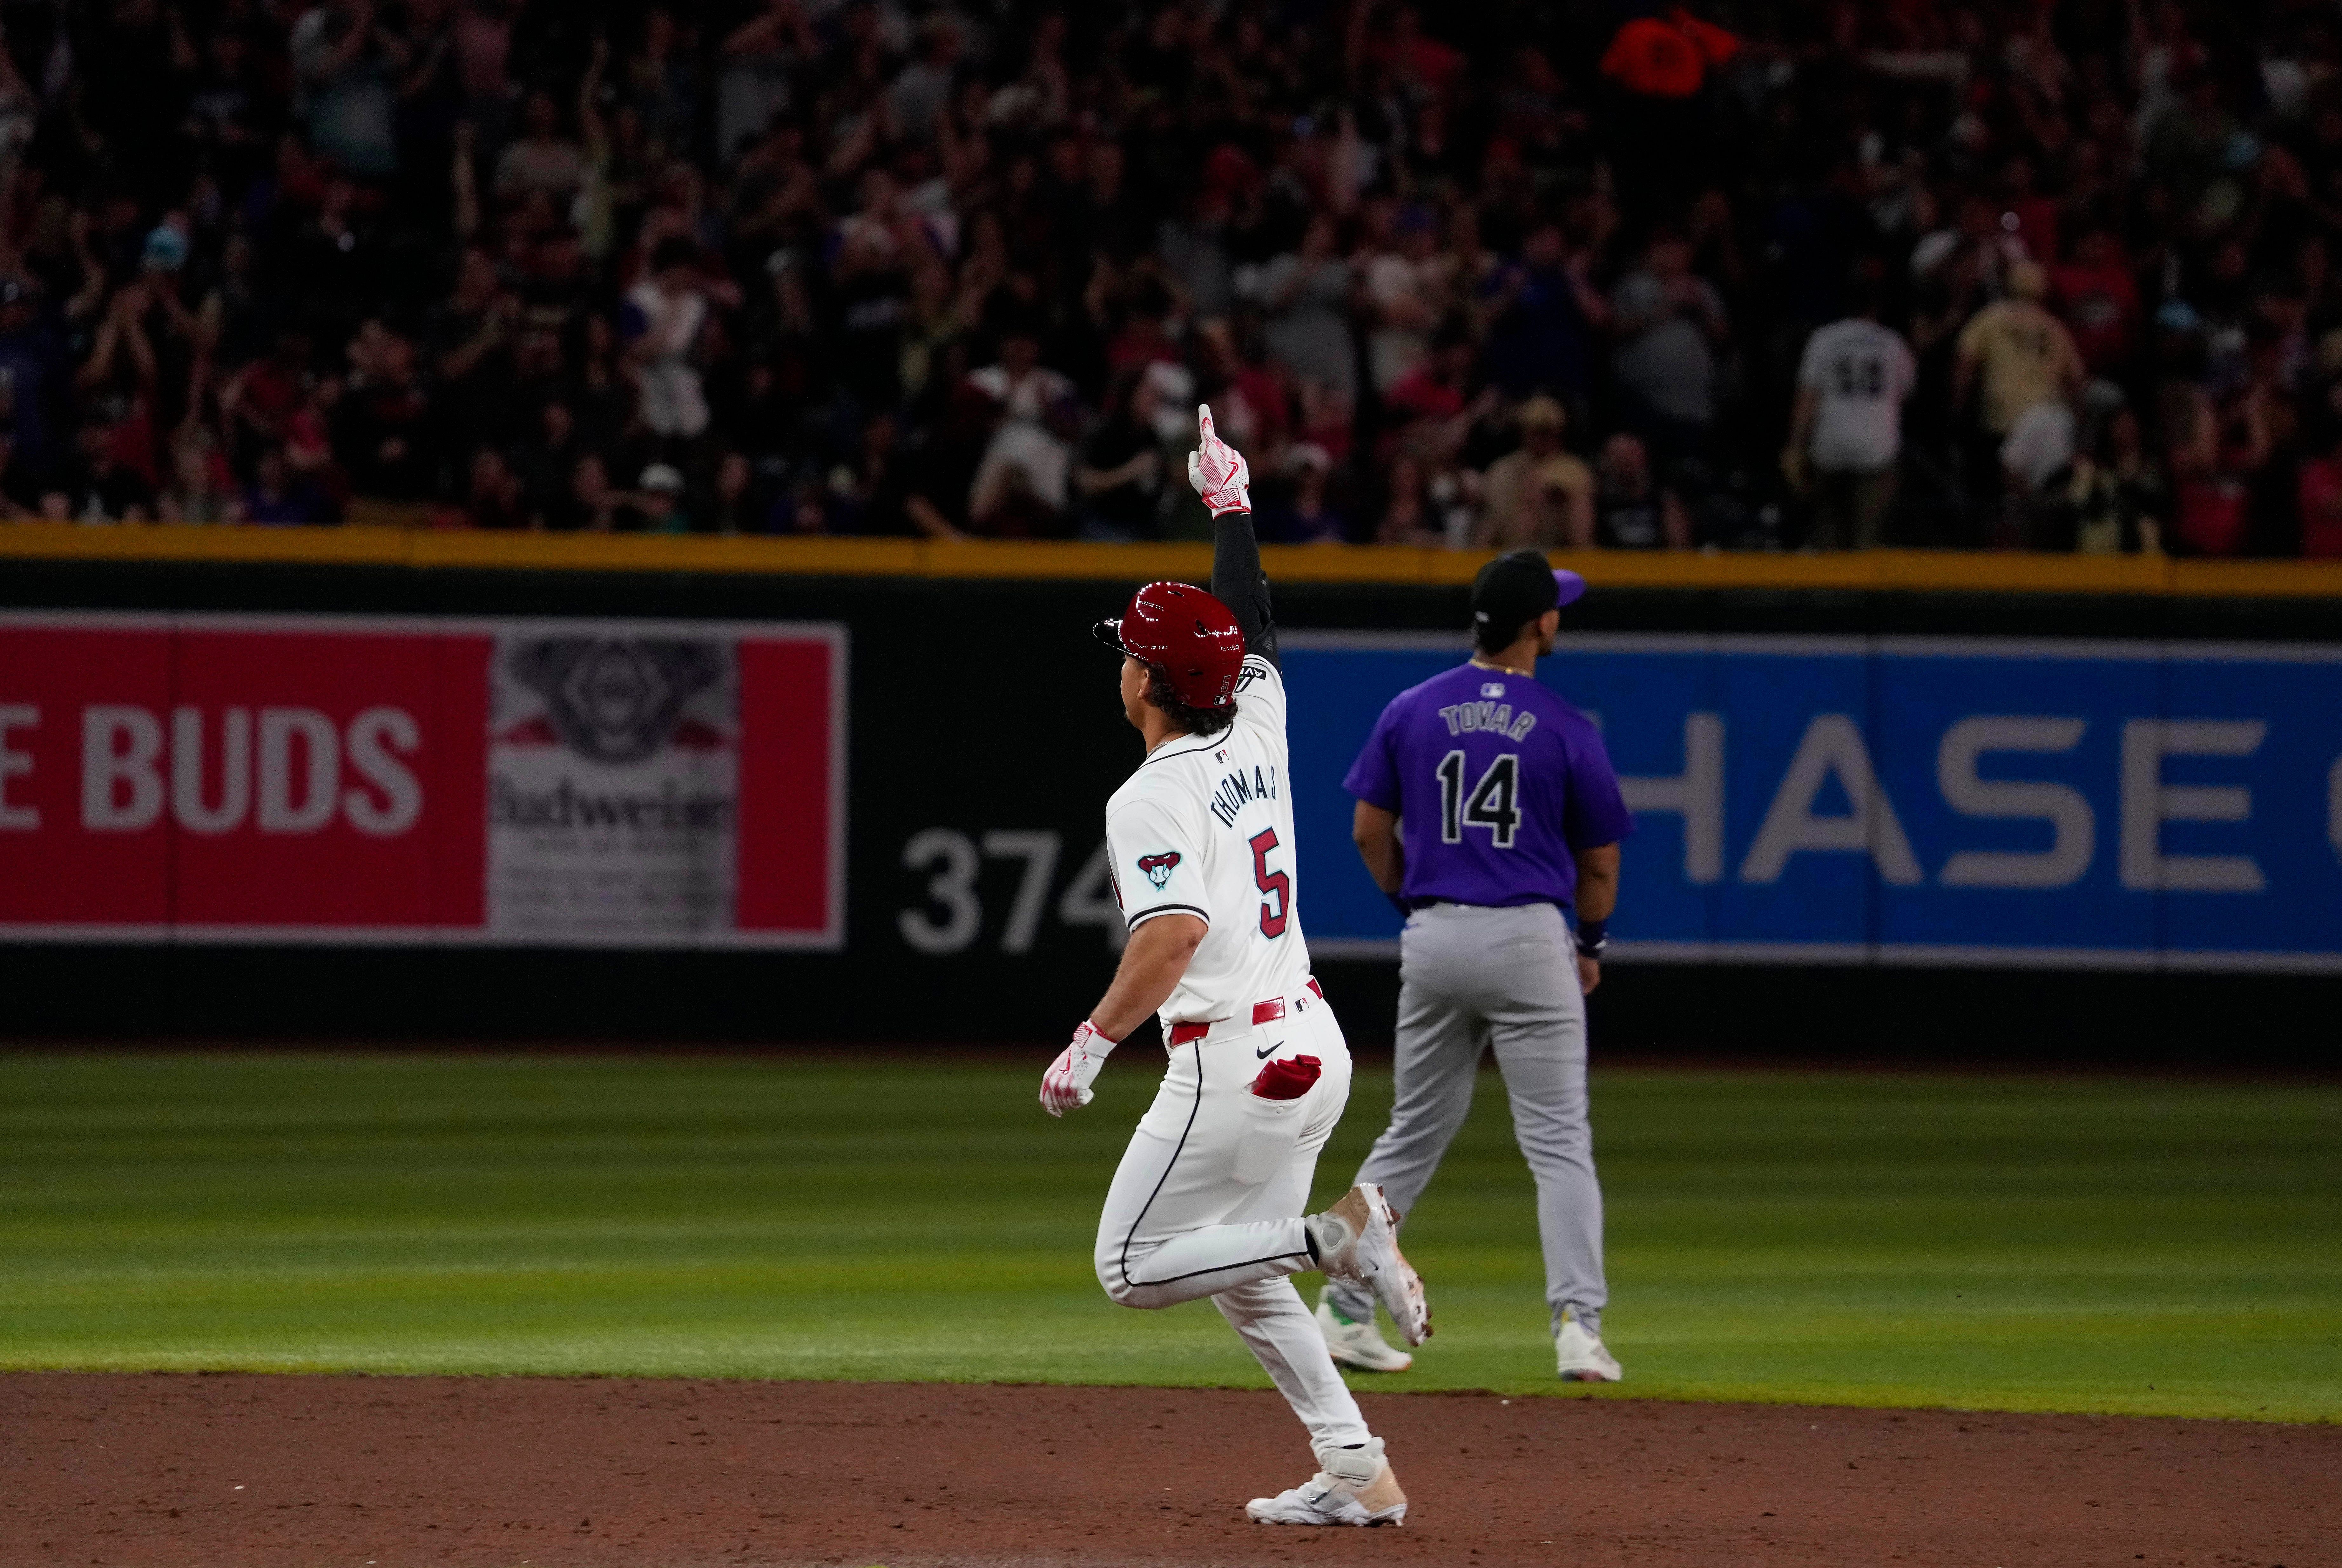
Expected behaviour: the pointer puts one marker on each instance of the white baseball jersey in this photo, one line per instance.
(1860, 373)
(1205, 827)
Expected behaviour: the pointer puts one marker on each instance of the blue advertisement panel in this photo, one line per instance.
(1896, 800)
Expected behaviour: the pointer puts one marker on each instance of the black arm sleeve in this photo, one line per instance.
(1238, 582)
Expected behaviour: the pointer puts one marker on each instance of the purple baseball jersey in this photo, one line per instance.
(1497, 783)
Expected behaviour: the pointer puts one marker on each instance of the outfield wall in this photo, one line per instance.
(1890, 804)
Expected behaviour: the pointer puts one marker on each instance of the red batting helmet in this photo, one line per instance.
(1187, 635)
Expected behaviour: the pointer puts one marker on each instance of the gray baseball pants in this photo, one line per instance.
(1472, 979)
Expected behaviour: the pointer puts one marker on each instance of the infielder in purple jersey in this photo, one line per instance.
(1486, 807)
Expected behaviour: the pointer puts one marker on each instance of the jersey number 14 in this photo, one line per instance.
(1494, 802)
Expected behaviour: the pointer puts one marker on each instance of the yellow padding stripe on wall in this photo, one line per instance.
(368, 543)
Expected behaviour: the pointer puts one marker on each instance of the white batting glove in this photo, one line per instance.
(1066, 1083)
(1216, 469)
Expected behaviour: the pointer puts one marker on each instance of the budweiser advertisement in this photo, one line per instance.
(265, 778)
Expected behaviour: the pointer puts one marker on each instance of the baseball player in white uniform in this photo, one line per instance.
(1208, 1199)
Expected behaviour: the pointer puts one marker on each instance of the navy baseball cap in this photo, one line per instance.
(1514, 589)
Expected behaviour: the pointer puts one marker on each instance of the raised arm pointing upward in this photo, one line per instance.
(1223, 478)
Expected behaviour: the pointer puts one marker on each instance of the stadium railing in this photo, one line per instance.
(1916, 570)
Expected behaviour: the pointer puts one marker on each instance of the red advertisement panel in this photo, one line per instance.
(318, 779)
(792, 824)
(308, 778)
(83, 711)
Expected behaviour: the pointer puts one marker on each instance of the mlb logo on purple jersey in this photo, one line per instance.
(1497, 783)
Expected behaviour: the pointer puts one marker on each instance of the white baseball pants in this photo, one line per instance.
(1209, 1199)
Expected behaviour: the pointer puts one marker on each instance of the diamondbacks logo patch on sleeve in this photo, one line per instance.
(1157, 867)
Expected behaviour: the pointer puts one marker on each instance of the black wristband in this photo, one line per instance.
(1593, 936)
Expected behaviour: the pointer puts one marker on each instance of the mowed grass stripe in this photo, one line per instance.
(2060, 1244)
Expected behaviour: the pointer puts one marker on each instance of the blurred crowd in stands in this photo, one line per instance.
(2054, 276)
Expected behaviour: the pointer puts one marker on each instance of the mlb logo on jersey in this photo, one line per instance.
(1493, 689)
(1157, 867)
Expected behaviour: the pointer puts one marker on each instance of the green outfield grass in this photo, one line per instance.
(1992, 1242)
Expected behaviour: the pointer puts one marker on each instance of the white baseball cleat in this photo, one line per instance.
(1582, 1355)
(1356, 1346)
(1357, 1239)
(1357, 1487)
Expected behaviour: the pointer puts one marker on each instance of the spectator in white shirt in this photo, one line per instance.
(1402, 290)
(1848, 428)
(1018, 383)
(1020, 487)
(2040, 447)
(542, 159)
(664, 317)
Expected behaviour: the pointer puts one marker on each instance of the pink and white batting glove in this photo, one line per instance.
(1216, 469)
(1067, 1081)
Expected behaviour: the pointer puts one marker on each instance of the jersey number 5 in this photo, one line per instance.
(1277, 908)
(1494, 802)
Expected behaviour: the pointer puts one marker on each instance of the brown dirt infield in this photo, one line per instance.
(254, 1472)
